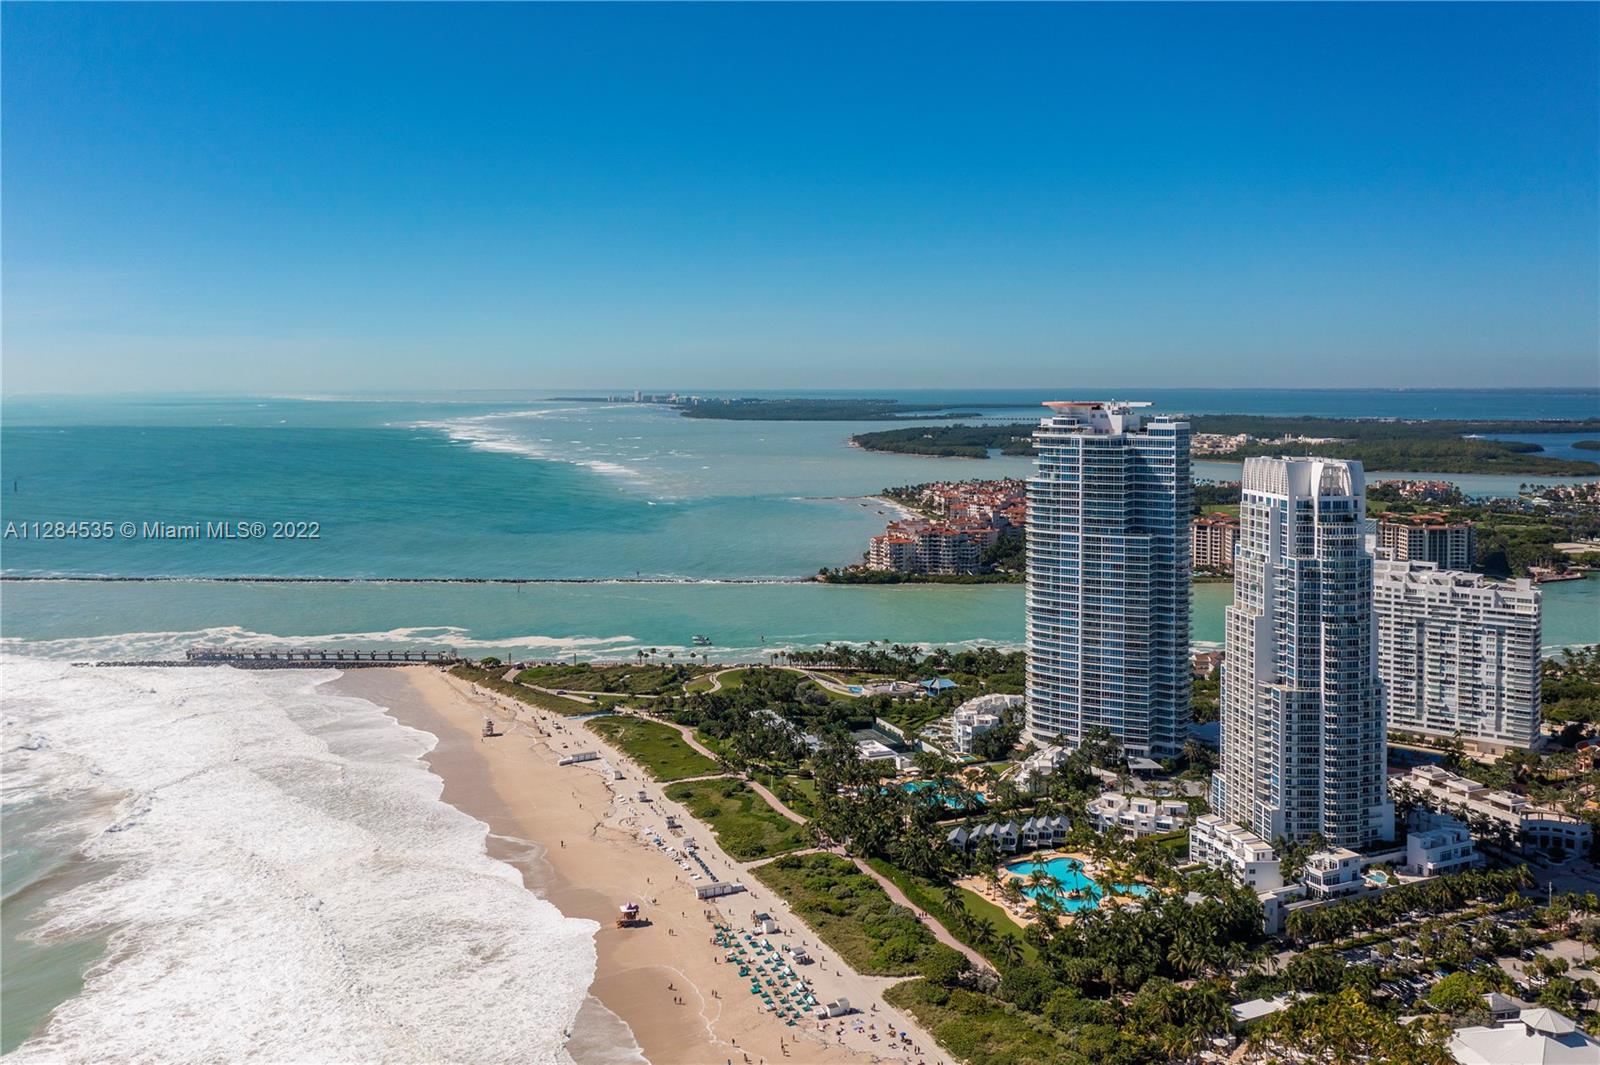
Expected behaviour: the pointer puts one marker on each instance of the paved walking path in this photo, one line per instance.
(759, 788)
(940, 932)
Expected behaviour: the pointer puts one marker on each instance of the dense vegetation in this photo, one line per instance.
(851, 913)
(745, 825)
(1436, 454)
(630, 680)
(815, 410)
(981, 1029)
(492, 679)
(1344, 1028)
(656, 747)
(1570, 686)
(1439, 895)
(1438, 446)
(951, 441)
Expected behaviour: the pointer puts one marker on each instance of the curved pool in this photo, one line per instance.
(1077, 891)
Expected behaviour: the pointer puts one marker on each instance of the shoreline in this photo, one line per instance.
(576, 840)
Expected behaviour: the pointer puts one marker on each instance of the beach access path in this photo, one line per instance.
(940, 932)
(754, 785)
(822, 679)
(595, 853)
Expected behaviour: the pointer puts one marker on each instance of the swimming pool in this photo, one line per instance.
(954, 802)
(1078, 891)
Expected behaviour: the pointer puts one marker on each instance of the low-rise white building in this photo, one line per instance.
(1440, 844)
(976, 716)
(1536, 1036)
(969, 725)
(1039, 766)
(1005, 835)
(1333, 874)
(1530, 827)
(1225, 845)
(1137, 815)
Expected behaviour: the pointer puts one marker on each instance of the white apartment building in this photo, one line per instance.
(1333, 874)
(1303, 743)
(1441, 844)
(969, 725)
(1108, 577)
(1225, 845)
(976, 716)
(1524, 824)
(1137, 815)
(1034, 774)
(1458, 653)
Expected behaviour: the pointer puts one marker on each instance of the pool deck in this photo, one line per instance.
(1026, 915)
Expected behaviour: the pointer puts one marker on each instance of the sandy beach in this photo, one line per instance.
(579, 841)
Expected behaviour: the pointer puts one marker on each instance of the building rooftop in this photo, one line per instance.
(1534, 1037)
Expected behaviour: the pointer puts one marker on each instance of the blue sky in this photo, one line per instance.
(301, 196)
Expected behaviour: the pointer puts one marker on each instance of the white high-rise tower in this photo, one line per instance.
(1303, 743)
(1108, 577)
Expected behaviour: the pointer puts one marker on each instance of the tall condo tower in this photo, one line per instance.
(1108, 577)
(1303, 742)
(1458, 654)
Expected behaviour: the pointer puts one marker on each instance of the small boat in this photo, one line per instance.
(701, 640)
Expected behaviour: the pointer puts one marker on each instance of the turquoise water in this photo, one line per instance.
(530, 487)
(505, 486)
(1069, 874)
(951, 801)
(522, 487)
(89, 619)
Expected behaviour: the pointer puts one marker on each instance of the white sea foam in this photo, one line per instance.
(482, 433)
(286, 885)
(146, 646)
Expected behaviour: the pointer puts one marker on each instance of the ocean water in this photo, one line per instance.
(262, 870)
(90, 619)
(130, 892)
(520, 487)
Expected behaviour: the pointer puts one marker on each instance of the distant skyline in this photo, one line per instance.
(309, 197)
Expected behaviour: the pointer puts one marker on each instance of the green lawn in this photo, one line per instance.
(930, 897)
(655, 746)
(490, 678)
(623, 680)
(746, 826)
(797, 793)
(978, 1029)
(851, 913)
(731, 679)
